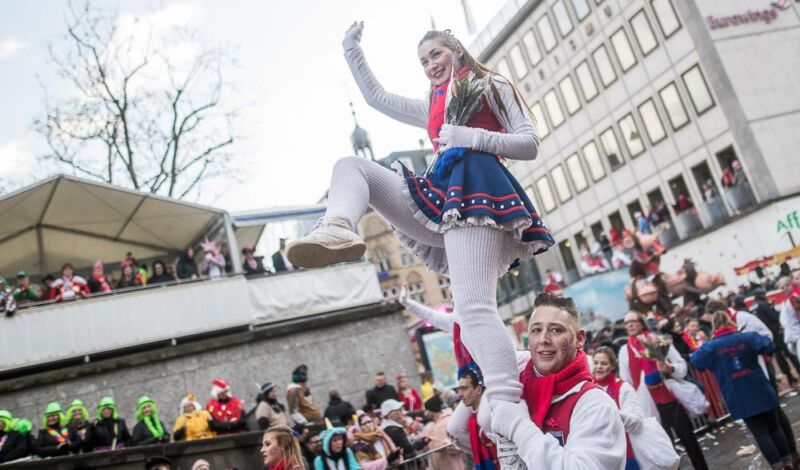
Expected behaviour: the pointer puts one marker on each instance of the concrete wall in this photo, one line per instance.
(342, 350)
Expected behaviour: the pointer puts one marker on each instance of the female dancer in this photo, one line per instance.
(733, 357)
(473, 226)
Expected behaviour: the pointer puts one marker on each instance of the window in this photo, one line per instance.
(570, 96)
(586, 80)
(541, 124)
(444, 288)
(534, 53)
(581, 9)
(623, 49)
(604, 67)
(406, 258)
(652, 123)
(592, 157)
(630, 135)
(562, 18)
(521, 69)
(665, 14)
(611, 148)
(553, 108)
(529, 192)
(560, 182)
(503, 68)
(576, 172)
(643, 32)
(546, 32)
(391, 293)
(545, 194)
(416, 290)
(674, 106)
(698, 90)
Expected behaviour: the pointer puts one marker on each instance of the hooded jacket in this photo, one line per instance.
(13, 443)
(344, 460)
(109, 433)
(148, 429)
(52, 440)
(80, 437)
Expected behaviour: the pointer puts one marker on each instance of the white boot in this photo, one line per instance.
(330, 241)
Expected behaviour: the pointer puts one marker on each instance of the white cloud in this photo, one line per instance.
(10, 47)
(17, 159)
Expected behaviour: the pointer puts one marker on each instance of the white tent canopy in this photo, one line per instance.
(67, 219)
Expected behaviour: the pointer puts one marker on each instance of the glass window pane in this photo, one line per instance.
(520, 67)
(611, 148)
(630, 135)
(503, 69)
(586, 79)
(576, 172)
(540, 124)
(652, 123)
(665, 14)
(553, 108)
(581, 8)
(562, 18)
(623, 49)
(530, 193)
(545, 194)
(698, 91)
(592, 157)
(674, 106)
(534, 54)
(604, 67)
(643, 32)
(560, 182)
(570, 96)
(546, 32)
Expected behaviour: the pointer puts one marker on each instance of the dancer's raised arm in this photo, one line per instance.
(440, 320)
(406, 110)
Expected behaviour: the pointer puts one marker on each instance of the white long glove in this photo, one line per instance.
(352, 37)
(511, 420)
(403, 299)
(458, 136)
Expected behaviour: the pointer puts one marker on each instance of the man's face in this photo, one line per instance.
(553, 339)
(380, 380)
(23, 281)
(314, 444)
(397, 415)
(469, 394)
(633, 324)
(223, 395)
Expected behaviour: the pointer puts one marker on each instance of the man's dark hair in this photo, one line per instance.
(473, 377)
(548, 299)
(715, 306)
(380, 372)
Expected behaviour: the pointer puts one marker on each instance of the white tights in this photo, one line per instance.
(473, 254)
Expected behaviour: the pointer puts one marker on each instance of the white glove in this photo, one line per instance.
(458, 136)
(353, 36)
(632, 424)
(403, 299)
(511, 420)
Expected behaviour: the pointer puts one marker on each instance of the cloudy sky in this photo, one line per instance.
(291, 80)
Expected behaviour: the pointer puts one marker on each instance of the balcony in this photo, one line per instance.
(712, 212)
(165, 314)
(687, 223)
(740, 197)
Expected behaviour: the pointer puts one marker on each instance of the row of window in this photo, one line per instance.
(542, 39)
(648, 114)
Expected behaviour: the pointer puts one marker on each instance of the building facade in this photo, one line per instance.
(396, 265)
(691, 107)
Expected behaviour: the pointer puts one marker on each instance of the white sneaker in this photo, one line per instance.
(330, 241)
(507, 454)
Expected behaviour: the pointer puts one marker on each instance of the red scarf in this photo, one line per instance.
(538, 392)
(281, 465)
(637, 362)
(690, 341)
(484, 456)
(724, 330)
(436, 114)
(104, 285)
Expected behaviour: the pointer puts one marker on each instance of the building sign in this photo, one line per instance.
(791, 221)
(766, 16)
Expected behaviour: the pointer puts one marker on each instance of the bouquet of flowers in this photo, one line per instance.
(464, 103)
(655, 347)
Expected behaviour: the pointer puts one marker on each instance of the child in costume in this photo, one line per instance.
(469, 218)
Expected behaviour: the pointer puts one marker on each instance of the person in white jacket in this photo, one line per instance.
(566, 421)
(647, 377)
(790, 320)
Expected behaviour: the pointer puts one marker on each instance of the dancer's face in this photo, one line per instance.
(602, 366)
(553, 339)
(437, 60)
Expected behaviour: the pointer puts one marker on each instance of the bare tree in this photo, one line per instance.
(144, 107)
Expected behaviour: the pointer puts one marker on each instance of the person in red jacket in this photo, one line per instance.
(227, 411)
(407, 394)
